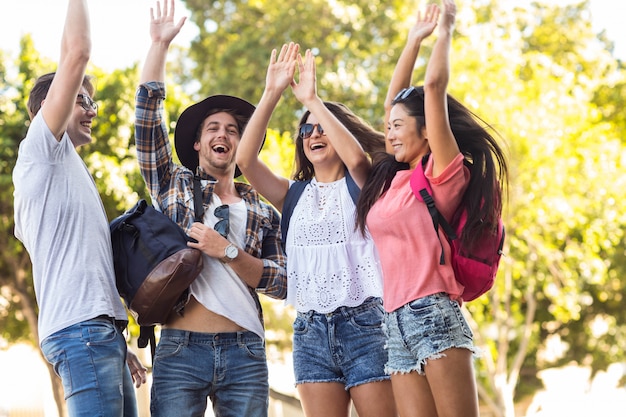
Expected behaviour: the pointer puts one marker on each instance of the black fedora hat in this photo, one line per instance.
(193, 116)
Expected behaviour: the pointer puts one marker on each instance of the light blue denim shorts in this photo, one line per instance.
(345, 346)
(422, 330)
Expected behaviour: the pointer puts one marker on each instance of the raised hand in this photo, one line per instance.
(305, 89)
(282, 67)
(162, 26)
(449, 14)
(425, 23)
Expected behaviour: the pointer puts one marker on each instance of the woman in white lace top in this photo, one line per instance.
(334, 276)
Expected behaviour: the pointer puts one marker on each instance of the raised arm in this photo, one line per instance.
(59, 104)
(162, 31)
(440, 138)
(403, 72)
(279, 76)
(154, 151)
(342, 140)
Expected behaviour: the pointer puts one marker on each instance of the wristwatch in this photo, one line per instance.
(230, 253)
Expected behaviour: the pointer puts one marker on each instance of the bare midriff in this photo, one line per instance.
(197, 318)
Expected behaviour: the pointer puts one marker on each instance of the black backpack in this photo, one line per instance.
(153, 264)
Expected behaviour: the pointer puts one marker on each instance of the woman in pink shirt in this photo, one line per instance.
(430, 344)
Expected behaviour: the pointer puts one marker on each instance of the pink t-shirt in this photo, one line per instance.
(404, 235)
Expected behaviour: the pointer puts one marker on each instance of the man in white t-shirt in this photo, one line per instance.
(60, 219)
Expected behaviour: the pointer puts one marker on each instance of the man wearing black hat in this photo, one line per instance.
(216, 348)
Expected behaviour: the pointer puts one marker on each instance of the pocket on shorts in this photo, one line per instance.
(425, 319)
(427, 302)
(300, 325)
(371, 318)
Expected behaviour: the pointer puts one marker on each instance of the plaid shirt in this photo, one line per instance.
(171, 186)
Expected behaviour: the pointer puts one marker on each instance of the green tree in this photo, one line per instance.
(538, 73)
(354, 42)
(559, 283)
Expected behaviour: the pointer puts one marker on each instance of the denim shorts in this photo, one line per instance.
(422, 330)
(229, 368)
(345, 346)
(90, 358)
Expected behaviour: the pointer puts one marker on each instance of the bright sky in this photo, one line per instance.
(120, 27)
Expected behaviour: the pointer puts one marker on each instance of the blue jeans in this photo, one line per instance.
(90, 358)
(422, 330)
(345, 346)
(228, 368)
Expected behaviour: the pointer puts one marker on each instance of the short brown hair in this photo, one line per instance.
(40, 91)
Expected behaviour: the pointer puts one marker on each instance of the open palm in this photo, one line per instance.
(282, 67)
(425, 23)
(162, 26)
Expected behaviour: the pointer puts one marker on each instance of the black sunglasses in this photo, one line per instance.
(306, 130)
(405, 93)
(87, 103)
(223, 225)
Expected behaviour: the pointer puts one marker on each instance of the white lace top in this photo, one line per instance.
(329, 262)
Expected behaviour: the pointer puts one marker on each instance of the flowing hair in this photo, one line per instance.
(483, 156)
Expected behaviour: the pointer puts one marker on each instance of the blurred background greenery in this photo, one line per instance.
(537, 72)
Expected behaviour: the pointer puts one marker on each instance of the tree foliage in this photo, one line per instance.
(547, 82)
(353, 41)
(538, 74)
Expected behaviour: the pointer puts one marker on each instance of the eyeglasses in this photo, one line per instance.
(87, 103)
(405, 93)
(223, 225)
(306, 130)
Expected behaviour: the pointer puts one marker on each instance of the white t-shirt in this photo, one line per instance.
(60, 218)
(218, 287)
(329, 262)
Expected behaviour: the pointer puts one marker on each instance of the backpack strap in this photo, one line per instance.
(146, 336)
(423, 191)
(291, 198)
(293, 195)
(198, 204)
(353, 189)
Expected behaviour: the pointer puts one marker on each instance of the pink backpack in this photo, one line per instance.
(475, 269)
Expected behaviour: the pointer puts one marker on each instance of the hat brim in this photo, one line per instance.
(192, 117)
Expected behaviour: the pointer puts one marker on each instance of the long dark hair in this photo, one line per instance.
(483, 156)
(370, 139)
